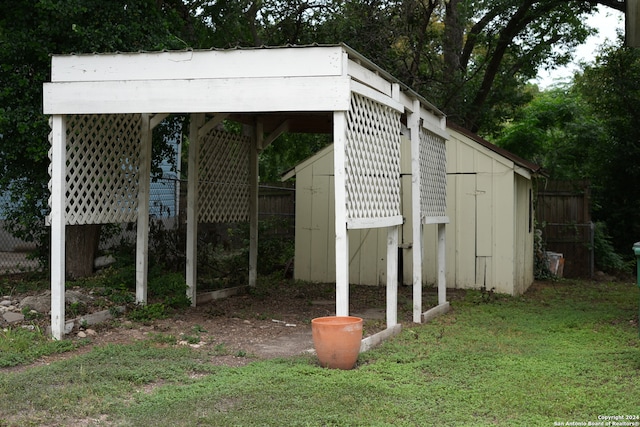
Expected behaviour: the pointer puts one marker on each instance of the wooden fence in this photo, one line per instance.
(562, 213)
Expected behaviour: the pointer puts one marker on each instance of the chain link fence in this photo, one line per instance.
(168, 214)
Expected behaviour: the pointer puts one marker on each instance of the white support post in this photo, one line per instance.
(442, 278)
(257, 140)
(142, 229)
(416, 212)
(192, 207)
(58, 221)
(392, 276)
(342, 236)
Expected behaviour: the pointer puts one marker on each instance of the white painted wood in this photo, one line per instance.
(142, 228)
(434, 124)
(376, 96)
(413, 122)
(370, 78)
(58, 202)
(436, 311)
(198, 96)
(442, 278)
(220, 294)
(371, 341)
(359, 223)
(197, 121)
(342, 236)
(435, 220)
(257, 140)
(202, 64)
(392, 276)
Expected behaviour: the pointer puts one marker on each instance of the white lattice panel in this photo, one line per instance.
(372, 160)
(103, 161)
(433, 175)
(223, 186)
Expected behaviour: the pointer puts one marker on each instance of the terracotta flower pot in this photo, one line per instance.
(337, 340)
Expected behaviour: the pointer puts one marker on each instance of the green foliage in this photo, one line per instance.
(558, 131)
(148, 313)
(29, 32)
(20, 346)
(611, 86)
(605, 256)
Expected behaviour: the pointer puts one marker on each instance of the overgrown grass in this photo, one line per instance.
(564, 352)
(19, 346)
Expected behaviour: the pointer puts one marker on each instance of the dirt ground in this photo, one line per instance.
(266, 322)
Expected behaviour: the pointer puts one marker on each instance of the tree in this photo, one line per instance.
(558, 131)
(612, 88)
(29, 32)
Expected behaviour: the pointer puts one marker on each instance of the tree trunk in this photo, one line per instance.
(81, 247)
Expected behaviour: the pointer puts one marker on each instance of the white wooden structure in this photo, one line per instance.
(105, 106)
(490, 242)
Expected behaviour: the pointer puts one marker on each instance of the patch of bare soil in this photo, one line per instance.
(261, 323)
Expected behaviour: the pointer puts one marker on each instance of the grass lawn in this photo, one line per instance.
(565, 352)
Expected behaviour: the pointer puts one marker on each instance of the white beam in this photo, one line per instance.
(392, 276)
(442, 277)
(340, 194)
(258, 132)
(198, 96)
(58, 208)
(413, 122)
(202, 64)
(192, 206)
(142, 229)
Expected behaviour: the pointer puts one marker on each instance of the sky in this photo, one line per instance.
(607, 21)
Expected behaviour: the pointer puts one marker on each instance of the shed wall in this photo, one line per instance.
(488, 239)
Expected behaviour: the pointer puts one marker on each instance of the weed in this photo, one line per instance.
(163, 339)
(30, 314)
(148, 313)
(199, 329)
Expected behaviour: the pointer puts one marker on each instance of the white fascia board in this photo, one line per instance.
(363, 223)
(206, 64)
(435, 220)
(199, 96)
(434, 124)
(376, 96)
(369, 78)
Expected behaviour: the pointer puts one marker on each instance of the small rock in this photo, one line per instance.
(90, 332)
(5, 303)
(12, 317)
(81, 334)
(247, 322)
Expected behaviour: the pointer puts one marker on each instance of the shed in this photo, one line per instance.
(104, 106)
(489, 205)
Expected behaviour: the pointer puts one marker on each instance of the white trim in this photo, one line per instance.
(142, 228)
(359, 223)
(58, 221)
(369, 78)
(379, 97)
(340, 194)
(413, 121)
(435, 220)
(201, 64)
(198, 96)
(392, 276)
(192, 207)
